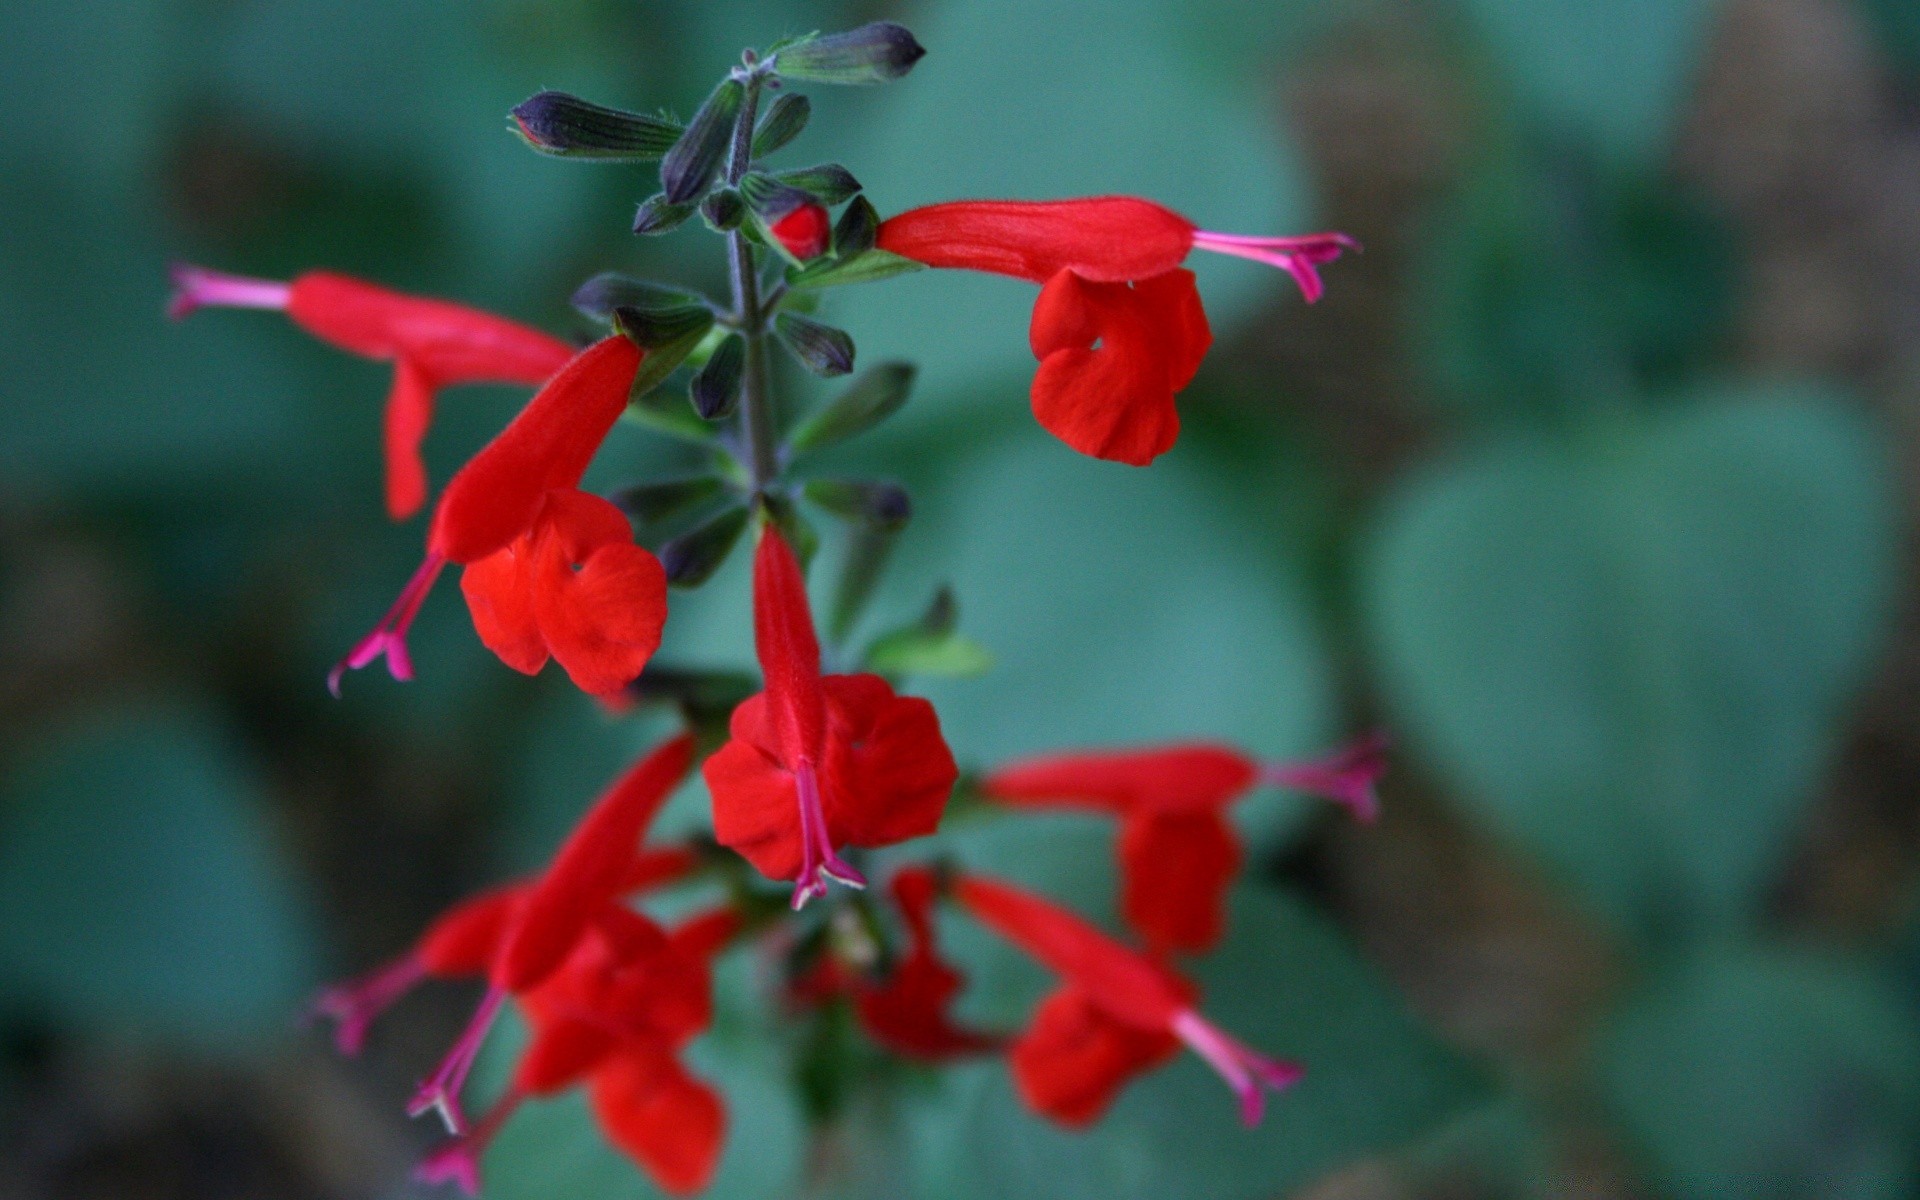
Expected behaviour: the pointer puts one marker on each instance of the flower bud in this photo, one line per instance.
(599, 296)
(829, 183)
(656, 215)
(783, 123)
(821, 349)
(805, 232)
(653, 502)
(716, 388)
(692, 558)
(874, 53)
(858, 228)
(569, 127)
(723, 209)
(874, 397)
(690, 168)
(883, 505)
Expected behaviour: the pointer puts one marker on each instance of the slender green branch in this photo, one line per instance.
(756, 395)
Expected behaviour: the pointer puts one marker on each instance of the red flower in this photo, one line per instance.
(552, 572)
(1178, 852)
(805, 232)
(906, 1009)
(1118, 329)
(818, 763)
(432, 344)
(1117, 1014)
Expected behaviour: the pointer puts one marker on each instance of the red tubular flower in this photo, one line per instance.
(552, 572)
(805, 232)
(1119, 328)
(907, 1010)
(815, 763)
(1178, 852)
(432, 344)
(1116, 1014)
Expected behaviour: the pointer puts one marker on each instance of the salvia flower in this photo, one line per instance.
(432, 344)
(805, 232)
(819, 762)
(907, 1009)
(1118, 329)
(552, 572)
(1178, 851)
(611, 996)
(1116, 1014)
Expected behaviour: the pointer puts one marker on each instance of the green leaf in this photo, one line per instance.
(1767, 1073)
(1633, 655)
(882, 505)
(143, 888)
(917, 652)
(854, 233)
(869, 400)
(868, 267)
(669, 335)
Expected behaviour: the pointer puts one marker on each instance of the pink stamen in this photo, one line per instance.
(356, 1004)
(389, 637)
(818, 860)
(1245, 1070)
(1300, 257)
(441, 1093)
(196, 287)
(459, 1161)
(1348, 777)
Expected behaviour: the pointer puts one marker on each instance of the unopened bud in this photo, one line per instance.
(716, 387)
(690, 168)
(805, 232)
(857, 230)
(873, 53)
(820, 348)
(692, 558)
(829, 183)
(657, 215)
(569, 127)
(723, 209)
(783, 123)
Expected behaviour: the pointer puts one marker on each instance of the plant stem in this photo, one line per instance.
(756, 394)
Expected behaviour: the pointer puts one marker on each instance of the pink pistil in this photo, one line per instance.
(1348, 776)
(818, 861)
(459, 1160)
(1300, 257)
(441, 1093)
(1244, 1070)
(356, 1004)
(196, 287)
(389, 637)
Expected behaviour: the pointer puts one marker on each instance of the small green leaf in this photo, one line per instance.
(882, 505)
(692, 558)
(657, 215)
(872, 398)
(690, 168)
(652, 502)
(568, 127)
(782, 123)
(914, 652)
(829, 183)
(716, 387)
(874, 53)
(822, 349)
(856, 231)
(869, 267)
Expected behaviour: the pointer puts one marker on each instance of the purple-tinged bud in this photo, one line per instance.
(874, 53)
(829, 183)
(723, 209)
(883, 505)
(783, 123)
(657, 215)
(692, 558)
(569, 127)
(716, 386)
(822, 349)
(690, 168)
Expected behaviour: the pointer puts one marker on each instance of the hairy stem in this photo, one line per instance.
(756, 395)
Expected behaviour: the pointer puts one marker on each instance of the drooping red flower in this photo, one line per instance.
(1119, 329)
(1178, 852)
(805, 232)
(1116, 1015)
(815, 763)
(552, 572)
(432, 344)
(907, 1009)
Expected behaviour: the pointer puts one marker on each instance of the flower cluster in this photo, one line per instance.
(814, 767)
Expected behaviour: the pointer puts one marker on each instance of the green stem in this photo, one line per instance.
(756, 393)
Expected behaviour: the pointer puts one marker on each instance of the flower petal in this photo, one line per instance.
(1108, 239)
(600, 601)
(1073, 1059)
(888, 772)
(669, 1122)
(1175, 872)
(409, 413)
(499, 592)
(1192, 777)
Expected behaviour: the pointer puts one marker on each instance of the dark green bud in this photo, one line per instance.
(769, 198)
(857, 230)
(872, 53)
(666, 325)
(829, 183)
(874, 397)
(783, 123)
(690, 168)
(882, 505)
(692, 558)
(569, 127)
(723, 209)
(821, 349)
(651, 503)
(656, 215)
(599, 296)
(716, 388)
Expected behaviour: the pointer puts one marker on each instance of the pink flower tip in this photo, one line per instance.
(455, 1162)
(1249, 1073)
(389, 637)
(1349, 777)
(819, 861)
(1301, 257)
(197, 287)
(355, 1005)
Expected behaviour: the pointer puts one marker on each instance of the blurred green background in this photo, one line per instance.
(1591, 480)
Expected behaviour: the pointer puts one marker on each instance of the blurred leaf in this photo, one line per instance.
(917, 652)
(1756, 1073)
(867, 401)
(1615, 70)
(1631, 655)
(142, 887)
